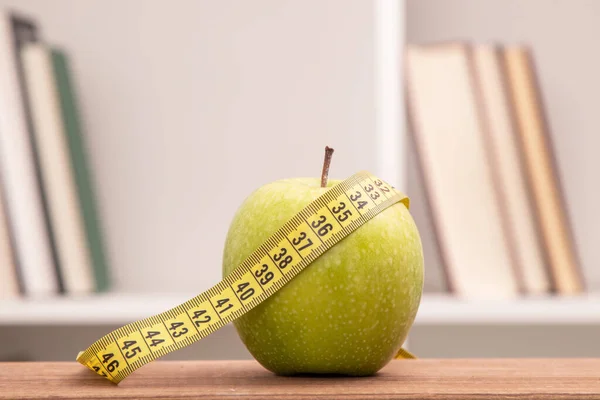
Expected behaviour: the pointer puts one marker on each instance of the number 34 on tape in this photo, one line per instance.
(307, 235)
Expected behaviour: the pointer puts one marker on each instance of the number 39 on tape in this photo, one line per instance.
(316, 228)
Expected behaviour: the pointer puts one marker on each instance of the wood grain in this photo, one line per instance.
(407, 379)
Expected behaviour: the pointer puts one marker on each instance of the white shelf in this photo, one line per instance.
(551, 310)
(104, 309)
(118, 309)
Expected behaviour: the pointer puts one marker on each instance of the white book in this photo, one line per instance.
(505, 154)
(57, 171)
(9, 284)
(445, 122)
(17, 166)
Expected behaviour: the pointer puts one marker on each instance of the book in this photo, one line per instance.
(83, 173)
(18, 168)
(56, 171)
(542, 175)
(504, 153)
(445, 122)
(9, 283)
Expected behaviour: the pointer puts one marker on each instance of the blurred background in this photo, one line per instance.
(184, 107)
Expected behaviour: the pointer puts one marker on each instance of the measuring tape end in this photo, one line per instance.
(404, 355)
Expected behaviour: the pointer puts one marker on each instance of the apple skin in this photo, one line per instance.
(349, 311)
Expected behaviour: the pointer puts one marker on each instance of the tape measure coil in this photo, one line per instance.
(119, 353)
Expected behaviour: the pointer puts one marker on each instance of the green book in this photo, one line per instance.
(83, 177)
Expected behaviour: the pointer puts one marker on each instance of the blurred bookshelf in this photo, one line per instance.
(146, 232)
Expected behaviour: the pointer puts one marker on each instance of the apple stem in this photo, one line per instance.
(326, 163)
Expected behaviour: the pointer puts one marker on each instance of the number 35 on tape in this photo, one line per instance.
(307, 235)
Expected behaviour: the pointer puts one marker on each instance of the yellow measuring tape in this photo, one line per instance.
(126, 349)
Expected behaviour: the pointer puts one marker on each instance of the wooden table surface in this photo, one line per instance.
(411, 379)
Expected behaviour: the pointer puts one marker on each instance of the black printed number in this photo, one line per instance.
(199, 321)
(279, 256)
(176, 333)
(155, 342)
(355, 198)
(381, 186)
(322, 229)
(130, 353)
(338, 209)
(280, 260)
(114, 364)
(264, 275)
(221, 303)
(245, 293)
(319, 222)
(299, 239)
(341, 216)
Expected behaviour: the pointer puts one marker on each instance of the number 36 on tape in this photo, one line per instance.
(311, 232)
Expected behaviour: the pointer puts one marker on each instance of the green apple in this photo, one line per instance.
(349, 311)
